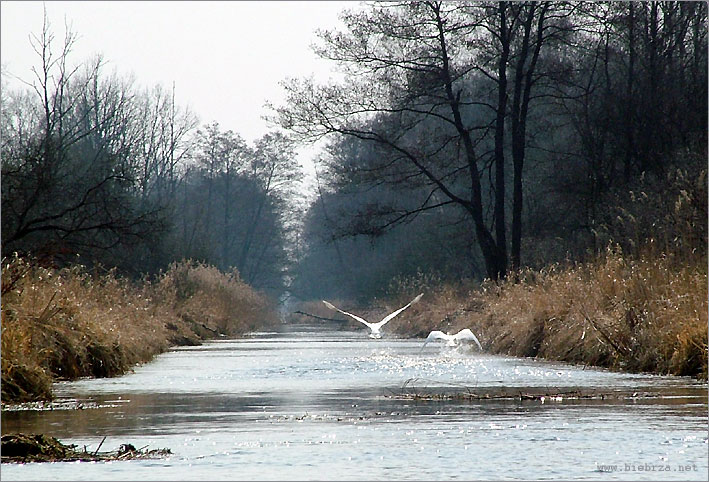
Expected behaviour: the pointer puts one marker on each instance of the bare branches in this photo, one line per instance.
(69, 168)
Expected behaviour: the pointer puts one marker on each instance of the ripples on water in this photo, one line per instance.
(329, 405)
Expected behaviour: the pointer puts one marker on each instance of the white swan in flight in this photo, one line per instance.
(375, 327)
(452, 340)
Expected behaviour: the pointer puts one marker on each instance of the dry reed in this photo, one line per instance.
(644, 314)
(68, 323)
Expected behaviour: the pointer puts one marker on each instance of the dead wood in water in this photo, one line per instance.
(320, 317)
(23, 448)
(411, 390)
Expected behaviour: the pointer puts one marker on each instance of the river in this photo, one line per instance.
(309, 403)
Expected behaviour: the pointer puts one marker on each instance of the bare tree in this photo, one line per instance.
(67, 178)
(276, 170)
(421, 85)
(162, 142)
(407, 93)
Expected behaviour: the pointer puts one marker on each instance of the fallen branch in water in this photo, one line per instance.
(23, 448)
(319, 317)
(99, 445)
(460, 392)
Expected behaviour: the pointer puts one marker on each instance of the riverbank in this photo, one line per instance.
(63, 324)
(636, 314)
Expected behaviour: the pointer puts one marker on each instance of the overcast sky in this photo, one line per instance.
(226, 58)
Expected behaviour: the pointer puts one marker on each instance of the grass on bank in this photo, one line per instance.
(644, 314)
(68, 323)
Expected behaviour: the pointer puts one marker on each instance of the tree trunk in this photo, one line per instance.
(500, 222)
(520, 109)
(494, 253)
(629, 150)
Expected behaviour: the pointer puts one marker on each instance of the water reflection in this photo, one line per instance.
(331, 405)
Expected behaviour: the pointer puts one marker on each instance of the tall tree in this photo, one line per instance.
(275, 168)
(408, 81)
(233, 202)
(421, 86)
(534, 35)
(68, 183)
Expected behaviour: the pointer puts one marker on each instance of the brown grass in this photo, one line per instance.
(65, 324)
(636, 314)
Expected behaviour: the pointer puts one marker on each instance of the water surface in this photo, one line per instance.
(325, 405)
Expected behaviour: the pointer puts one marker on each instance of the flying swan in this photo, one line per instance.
(375, 327)
(452, 340)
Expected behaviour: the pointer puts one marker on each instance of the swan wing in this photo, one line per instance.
(392, 315)
(435, 335)
(333, 307)
(466, 334)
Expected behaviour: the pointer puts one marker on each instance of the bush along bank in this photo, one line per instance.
(62, 324)
(639, 314)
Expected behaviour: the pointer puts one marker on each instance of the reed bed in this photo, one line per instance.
(639, 314)
(69, 323)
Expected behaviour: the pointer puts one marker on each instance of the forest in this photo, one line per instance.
(100, 171)
(473, 140)
(465, 141)
(465, 144)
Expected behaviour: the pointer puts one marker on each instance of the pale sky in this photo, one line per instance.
(226, 57)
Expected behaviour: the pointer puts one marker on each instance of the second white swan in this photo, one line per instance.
(452, 340)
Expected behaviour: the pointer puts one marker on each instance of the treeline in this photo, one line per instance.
(98, 170)
(469, 140)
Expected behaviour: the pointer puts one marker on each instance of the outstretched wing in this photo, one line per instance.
(333, 307)
(392, 315)
(435, 335)
(466, 334)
